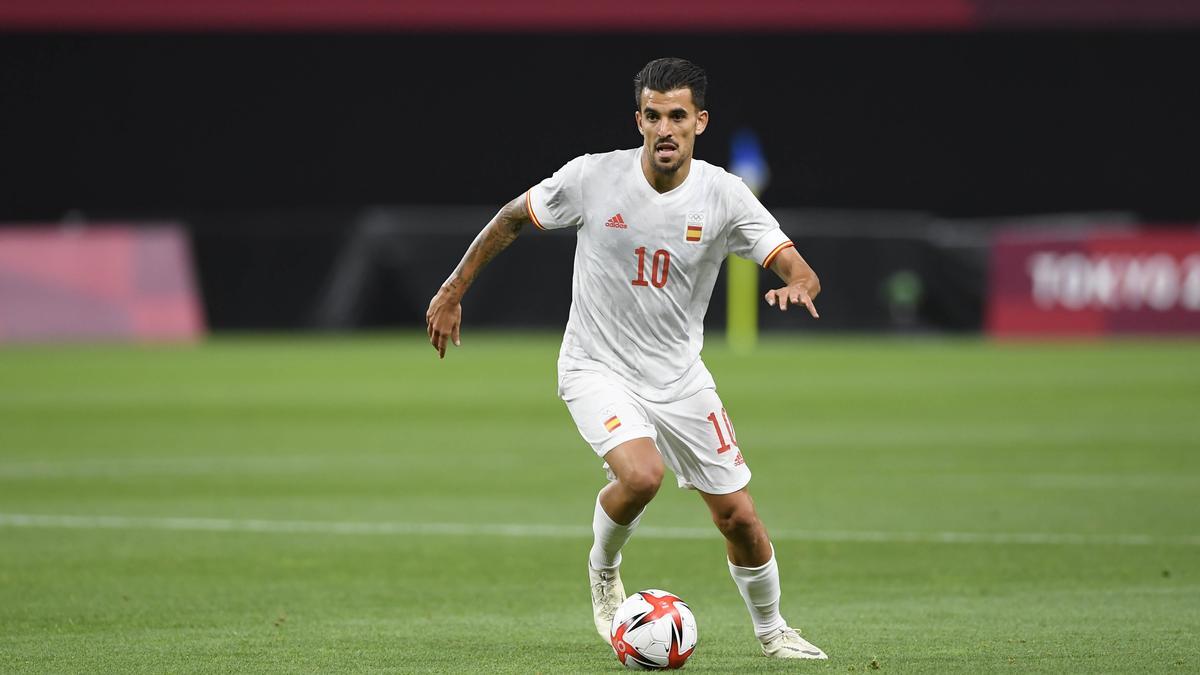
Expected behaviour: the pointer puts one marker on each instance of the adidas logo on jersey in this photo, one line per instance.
(616, 221)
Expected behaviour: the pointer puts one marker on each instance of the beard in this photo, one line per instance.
(669, 169)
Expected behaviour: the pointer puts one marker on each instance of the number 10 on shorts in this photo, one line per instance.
(722, 445)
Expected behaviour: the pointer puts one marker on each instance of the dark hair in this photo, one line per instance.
(670, 73)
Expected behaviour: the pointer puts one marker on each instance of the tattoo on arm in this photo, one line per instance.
(499, 233)
(792, 268)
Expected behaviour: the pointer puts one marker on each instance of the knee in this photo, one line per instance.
(737, 524)
(643, 483)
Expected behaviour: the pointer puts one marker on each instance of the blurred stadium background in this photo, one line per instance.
(195, 195)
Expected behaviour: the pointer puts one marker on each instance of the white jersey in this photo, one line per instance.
(646, 263)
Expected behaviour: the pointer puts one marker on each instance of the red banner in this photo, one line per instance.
(1095, 284)
(614, 15)
(107, 283)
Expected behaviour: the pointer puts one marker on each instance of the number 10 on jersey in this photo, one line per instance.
(724, 446)
(660, 267)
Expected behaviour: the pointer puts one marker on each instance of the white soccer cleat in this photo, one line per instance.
(786, 643)
(607, 596)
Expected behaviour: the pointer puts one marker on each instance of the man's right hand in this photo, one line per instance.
(445, 312)
(442, 321)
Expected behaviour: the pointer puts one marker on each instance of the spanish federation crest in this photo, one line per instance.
(695, 227)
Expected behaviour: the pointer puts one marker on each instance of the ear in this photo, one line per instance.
(637, 119)
(701, 121)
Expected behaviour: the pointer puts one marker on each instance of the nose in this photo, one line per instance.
(664, 128)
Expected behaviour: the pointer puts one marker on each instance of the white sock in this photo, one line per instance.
(759, 587)
(610, 538)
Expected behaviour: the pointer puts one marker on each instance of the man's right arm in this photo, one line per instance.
(445, 309)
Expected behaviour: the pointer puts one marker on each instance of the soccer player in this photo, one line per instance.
(653, 226)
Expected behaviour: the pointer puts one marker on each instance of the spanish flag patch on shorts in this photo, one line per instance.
(612, 423)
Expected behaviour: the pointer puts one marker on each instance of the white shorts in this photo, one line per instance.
(694, 435)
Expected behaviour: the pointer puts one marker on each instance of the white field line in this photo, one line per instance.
(571, 531)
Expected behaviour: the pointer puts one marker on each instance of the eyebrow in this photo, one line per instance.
(673, 111)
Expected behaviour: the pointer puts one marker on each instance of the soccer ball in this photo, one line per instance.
(653, 630)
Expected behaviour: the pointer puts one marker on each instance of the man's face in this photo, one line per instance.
(669, 124)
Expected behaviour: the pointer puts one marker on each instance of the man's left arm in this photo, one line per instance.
(802, 283)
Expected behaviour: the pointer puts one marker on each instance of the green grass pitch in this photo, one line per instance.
(327, 505)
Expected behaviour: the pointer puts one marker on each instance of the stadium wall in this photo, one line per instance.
(959, 124)
(897, 152)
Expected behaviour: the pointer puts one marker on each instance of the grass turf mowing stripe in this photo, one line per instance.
(569, 531)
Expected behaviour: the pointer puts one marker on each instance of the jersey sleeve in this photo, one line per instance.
(557, 201)
(754, 234)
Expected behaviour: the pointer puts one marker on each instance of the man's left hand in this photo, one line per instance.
(795, 294)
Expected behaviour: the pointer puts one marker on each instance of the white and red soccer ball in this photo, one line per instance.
(653, 630)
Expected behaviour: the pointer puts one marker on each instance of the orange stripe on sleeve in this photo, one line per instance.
(529, 207)
(775, 252)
